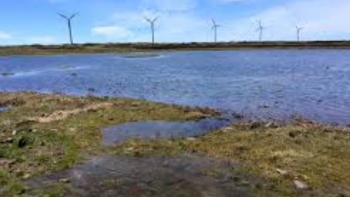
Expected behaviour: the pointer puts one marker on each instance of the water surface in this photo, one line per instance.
(268, 84)
(160, 130)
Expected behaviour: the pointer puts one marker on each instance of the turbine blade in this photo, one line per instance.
(156, 18)
(147, 19)
(74, 15)
(63, 16)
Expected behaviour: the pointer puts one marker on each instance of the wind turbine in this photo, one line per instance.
(215, 28)
(261, 30)
(69, 19)
(152, 23)
(298, 32)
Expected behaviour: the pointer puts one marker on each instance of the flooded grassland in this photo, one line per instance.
(53, 145)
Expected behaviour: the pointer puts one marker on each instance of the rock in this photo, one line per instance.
(8, 140)
(23, 142)
(300, 185)
(226, 129)
(6, 163)
(64, 181)
(271, 125)
(237, 116)
(264, 106)
(130, 149)
(255, 125)
(282, 172)
(191, 139)
(26, 176)
(14, 132)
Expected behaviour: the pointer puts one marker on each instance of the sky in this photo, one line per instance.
(37, 22)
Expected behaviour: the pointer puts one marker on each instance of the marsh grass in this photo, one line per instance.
(29, 148)
(317, 155)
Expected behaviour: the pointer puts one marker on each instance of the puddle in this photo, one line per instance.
(152, 176)
(4, 109)
(161, 130)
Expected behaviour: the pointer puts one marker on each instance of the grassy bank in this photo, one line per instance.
(90, 48)
(315, 155)
(45, 133)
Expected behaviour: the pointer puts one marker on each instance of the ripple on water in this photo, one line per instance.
(160, 130)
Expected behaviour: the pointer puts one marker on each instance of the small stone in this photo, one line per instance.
(8, 140)
(14, 132)
(191, 139)
(300, 185)
(64, 181)
(26, 176)
(271, 125)
(282, 172)
(23, 142)
(226, 129)
(255, 125)
(130, 149)
(244, 183)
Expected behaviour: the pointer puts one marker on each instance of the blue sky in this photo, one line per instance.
(36, 21)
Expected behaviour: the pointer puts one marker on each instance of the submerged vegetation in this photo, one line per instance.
(46, 133)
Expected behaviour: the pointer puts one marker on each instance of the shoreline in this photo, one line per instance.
(121, 48)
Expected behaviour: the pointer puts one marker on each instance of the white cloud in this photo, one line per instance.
(42, 40)
(321, 19)
(171, 5)
(112, 31)
(4, 35)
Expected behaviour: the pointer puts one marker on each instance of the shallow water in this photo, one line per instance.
(3, 109)
(160, 130)
(268, 84)
(150, 176)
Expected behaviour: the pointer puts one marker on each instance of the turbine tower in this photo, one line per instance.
(69, 19)
(152, 24)
(298, 32)
(215, 28)
(261, 30)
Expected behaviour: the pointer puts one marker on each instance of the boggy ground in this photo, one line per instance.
(51, 146)
(45, 133)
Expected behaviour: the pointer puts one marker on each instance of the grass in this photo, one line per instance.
(30, 148)
(315, 154)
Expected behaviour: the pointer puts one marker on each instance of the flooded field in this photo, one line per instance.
(275, 84)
